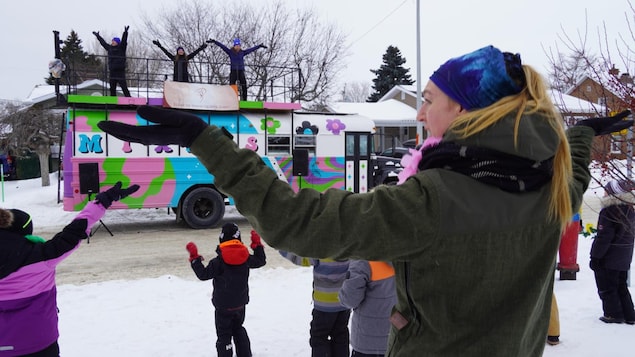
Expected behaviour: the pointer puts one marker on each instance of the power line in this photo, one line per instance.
(380, 21)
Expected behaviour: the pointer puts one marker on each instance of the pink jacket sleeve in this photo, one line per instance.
(93, 212)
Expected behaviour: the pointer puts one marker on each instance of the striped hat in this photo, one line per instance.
(617, 187)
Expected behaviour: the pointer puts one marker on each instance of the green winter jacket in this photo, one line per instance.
(474, 264)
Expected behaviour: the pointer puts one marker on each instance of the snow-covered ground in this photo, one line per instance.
(171, 316)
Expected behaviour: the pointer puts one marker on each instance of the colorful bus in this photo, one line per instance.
(318, 150)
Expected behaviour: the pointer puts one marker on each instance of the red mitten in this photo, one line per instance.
(255, 240)
(193, 249)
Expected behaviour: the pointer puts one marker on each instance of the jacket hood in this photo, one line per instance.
(626, 198)
(234, 252)
(500, 137)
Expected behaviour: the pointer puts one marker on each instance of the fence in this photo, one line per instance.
(146, 75)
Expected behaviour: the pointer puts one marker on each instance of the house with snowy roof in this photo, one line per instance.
(395, 113)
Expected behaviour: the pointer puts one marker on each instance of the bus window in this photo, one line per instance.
(350, 145)
(363, 145)
(278, 144)
(307, 142)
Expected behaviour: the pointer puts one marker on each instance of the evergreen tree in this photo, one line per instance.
(82, 65)
(390, 74)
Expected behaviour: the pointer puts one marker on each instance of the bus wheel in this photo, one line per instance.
(203, 208)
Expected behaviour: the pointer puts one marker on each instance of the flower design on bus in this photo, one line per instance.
(335, 126)
(307, 129)
(269, 124)
(163, 148)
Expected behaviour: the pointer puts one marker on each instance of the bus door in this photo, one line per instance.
(358, 174)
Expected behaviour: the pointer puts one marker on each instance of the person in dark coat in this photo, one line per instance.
(180, 60)
(229, 272)
(116, 61)
(237, 63)
(28, 294)
(612, 251)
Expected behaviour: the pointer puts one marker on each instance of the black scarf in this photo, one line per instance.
(508, 172)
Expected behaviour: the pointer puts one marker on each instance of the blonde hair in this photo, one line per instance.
(532, 99)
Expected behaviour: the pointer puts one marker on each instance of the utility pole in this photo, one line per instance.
(419, 124)
(58, 55)
(629, 151)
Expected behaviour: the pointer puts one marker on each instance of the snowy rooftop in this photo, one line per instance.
(95, 87)
(392, 112)
(569, 103)
(388, 112)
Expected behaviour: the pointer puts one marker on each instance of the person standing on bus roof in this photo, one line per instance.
(28, 295)
(116, 61)
(180, 60)
(237, 63)
(503, 141)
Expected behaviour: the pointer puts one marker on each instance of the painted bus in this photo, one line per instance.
(314, 150)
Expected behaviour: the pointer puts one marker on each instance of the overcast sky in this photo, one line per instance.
(448, 29)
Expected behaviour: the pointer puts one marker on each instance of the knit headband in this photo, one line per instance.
(480, 78)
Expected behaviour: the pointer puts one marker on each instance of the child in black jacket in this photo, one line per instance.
(230, 274)
(612, 252)
(28, 293)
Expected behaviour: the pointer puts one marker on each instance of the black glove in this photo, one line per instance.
(211, 41)
(204, 46)
(156, 42)
(126, 28)
(263, 46)
(114, 193)
(176, 127)
(607, 125)
(594, 264)
(96, 33)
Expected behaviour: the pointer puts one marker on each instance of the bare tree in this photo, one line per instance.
(356, 92)
(28, 129)
(615, 92)
(303, 58)
(576, 60)
(567, 69)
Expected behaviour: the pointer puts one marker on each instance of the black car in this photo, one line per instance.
(410, 143)
(387, 165)
(396, 152)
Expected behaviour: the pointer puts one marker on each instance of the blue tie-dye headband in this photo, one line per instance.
(480, 78)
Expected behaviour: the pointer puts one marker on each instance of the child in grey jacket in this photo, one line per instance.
(370, 291)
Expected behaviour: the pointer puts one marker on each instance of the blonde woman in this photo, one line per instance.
(473, 235)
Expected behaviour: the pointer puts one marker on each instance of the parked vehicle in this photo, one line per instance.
(396, 152)
(410, 143)
(317, 150)
(385, 170)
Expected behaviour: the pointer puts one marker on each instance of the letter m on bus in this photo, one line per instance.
(92, 144)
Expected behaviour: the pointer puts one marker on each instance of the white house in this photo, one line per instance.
(394, 114)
